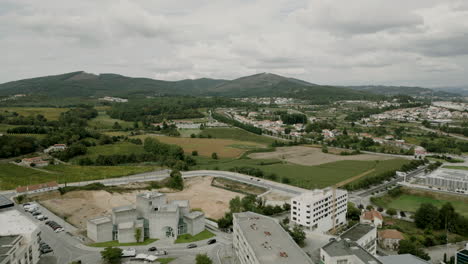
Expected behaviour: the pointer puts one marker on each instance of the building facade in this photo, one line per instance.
(320, 210)
(364, 235)
(449, 179)
(390, 238)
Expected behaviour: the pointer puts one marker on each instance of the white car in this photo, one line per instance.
(59, 230)
(129, 252)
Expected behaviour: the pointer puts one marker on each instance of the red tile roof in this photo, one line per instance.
(370, 215)
(391, 234)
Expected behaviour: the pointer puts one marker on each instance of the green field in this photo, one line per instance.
(456, 167)
(237, 134)
(104, 121)
(12, 176)
(48, 112)
(305, 176)
(187, 238)
(117, 148)
(165, 260)
(411, 202)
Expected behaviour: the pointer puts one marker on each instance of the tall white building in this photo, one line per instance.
(19, 238)
(317, 209)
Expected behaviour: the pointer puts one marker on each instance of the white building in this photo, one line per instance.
(113, 99)
(55, 147)
(259, 239)
(19, 238)
(449, 179)
(317, 209)
(153, 216)
(364, 235)
(344, 251)
(371, 217)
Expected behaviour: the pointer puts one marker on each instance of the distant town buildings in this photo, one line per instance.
(320, 210)
(34, 162)
(55, 147)
(113, 99)
(259, 239)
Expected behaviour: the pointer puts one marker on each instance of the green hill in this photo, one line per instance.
(403, 90)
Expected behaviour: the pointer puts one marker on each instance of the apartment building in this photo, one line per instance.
(259, 239)
(19, 238)
(364, 235)
(320, 210)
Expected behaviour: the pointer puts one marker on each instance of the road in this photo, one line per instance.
(444, 133)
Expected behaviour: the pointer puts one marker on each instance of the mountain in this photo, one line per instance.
(404, 90)
(82, 84)
(462, 90)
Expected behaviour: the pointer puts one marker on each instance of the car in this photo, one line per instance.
(36, 213)
(160, 253)
(192, 246)
(152, 249)
(46, 250)
(26, 204)
(211, 241)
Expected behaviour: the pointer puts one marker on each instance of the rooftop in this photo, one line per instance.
(14, 223)
(357, 231)
(402, 259)
(194, 214)
(5, 202)
(123, 208)
(100, 220)
(391, 233)
(181, 203)
(370, 215)
(318, 194)
(451, 174)
(150, 195)
(338, 248)
(270, 242)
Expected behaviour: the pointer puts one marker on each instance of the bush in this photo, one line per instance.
(194, 153)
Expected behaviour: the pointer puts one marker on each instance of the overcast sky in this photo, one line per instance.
(345, 42)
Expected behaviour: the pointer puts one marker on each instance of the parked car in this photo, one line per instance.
(36, 213)
(46, 250)
(152, 249)
(192, 246)
(211, 241)
(160, 253)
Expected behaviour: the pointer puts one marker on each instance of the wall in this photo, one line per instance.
(160, 220)
(242, 249)
(123, 216)
(195, 226)
(126, 235)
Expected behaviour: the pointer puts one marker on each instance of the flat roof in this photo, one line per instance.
(194, 214)
(123, 208)
(149, 195)
(357, 231)
(338, 248)
(100, 220)
(450, 174)
(5, 202)
(180, 203)
(318, 194)
(269, 241)
(402, 259)
(15, 223)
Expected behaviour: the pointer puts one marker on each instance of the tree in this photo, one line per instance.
(369, 207)
(138, 234)
(391, 212)
(409, 247)
(235, 205)
(194, 153)
(447, 216)
(298, 234)
(116, 126)
(203, 259)
(427, 216)
(176, 181)
(214, 155)
(111, 255)
(353, 212)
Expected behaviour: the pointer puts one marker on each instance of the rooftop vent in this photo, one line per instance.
(283, 254)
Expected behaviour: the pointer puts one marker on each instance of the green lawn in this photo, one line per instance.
(456, 167)
(411, 202)
(50, 113)
(238, 134)
(165, 260)
(116, 243)
(305, 176)
(12, 176)
(187, 238)
(110, 149)
(104, 121)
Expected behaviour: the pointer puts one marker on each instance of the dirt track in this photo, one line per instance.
(311, 156)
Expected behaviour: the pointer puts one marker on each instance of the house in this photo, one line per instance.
(55, 147)
(390, 238)
(37, 188)
(371, 217)
(34, 162)
(420, 152)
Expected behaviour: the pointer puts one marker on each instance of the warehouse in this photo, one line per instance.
(449, 179)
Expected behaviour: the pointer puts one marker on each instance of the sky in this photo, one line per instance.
(336, 42)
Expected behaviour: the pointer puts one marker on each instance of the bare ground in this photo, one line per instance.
(311, 156)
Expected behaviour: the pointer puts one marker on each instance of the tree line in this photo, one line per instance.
(230, 121)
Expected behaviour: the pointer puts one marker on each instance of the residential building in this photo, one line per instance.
(37, 188)
(320, 210)
(34, 162)
(372, 217)
(259, 239)
(462, 256)
(390, 238)
(19, 238)
(420, 152)
(55, 147)
(364, 235)
(449, 179)
(402, 259)
(113, 99)
(345, 251)
(153, 216)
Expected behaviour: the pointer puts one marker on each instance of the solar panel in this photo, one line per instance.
(5, 202)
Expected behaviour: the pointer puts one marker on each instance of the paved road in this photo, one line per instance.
(444, 133)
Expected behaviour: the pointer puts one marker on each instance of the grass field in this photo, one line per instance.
(187, 238)
(318, 176)
(237, 134)
(411, 200)
(48, 112)
(12, 176)
(104, 121)
(117, 148)
(165, 260)
(456, 167)
(225, 148)
(116, 243)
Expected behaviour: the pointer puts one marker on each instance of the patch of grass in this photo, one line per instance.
(187, 238)
(12, 176)
(50, 113)
(116, 243)
(188, 132)
(165, 260)
(111, 149)
(456, 167)
(237, 134)
(236, 186)
(104, 121)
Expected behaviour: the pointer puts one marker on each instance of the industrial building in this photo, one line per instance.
(449, 179)
(152, 217)
(259, 239)
(19, 238)
(320, 210)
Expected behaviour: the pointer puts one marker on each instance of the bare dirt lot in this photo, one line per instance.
(79, 206)
(311, 156)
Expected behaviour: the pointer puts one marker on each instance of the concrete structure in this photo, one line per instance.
(449, 179)
(153, 217)
(317, 209)
(55, 147)
(344, 251)
(259, 239)
(372, 217)
(19, 238)
(462, 256)
(390, 238)
(37, 188)
(100, 229)
(402, 259)
(36, 162)
(364, 235)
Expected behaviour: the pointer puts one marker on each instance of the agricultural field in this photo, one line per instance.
(50, 113)
(111, 149)
(12, 176)
(410, 201)
(225, 148)
(318, 176)
(104, 121)
(310, 156)
(236, 134)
